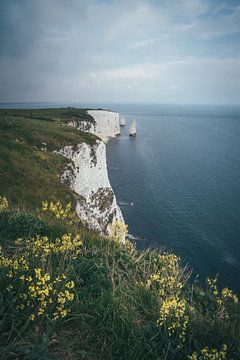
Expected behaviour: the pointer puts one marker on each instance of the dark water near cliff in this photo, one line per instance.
(182, 172)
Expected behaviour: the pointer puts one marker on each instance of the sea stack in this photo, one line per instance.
(133, 129)
(122, 121)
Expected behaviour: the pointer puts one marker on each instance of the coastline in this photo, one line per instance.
(96, 204)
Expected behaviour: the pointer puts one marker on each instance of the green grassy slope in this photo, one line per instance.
(29, 171)
(70, 294)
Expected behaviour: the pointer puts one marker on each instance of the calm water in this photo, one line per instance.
(182, 172)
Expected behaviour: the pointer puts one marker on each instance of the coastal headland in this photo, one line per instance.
(71, 286)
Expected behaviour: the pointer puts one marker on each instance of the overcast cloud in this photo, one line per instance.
(161, 51)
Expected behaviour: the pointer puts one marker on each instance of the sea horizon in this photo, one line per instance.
(106, 104)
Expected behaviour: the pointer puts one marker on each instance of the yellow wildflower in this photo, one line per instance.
(228, 294)
(3, 204)
(210, 354)
(118, 230)
(173, 314)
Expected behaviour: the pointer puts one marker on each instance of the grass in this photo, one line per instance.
(53, 115)
(68, 293)
(119, 298)
(29, 171)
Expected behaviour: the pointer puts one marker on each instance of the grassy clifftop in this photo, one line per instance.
(67, 293)
(54, 114)
(29, 171)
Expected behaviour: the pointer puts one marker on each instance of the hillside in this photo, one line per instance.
(67, 292)
(29, 171)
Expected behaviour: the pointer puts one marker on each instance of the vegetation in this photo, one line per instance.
(68, 293)
(29, 170)
(64, 115)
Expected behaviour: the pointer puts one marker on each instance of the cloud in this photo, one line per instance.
(136, 19)
(141, 44)
(129, 50)
(138, 72)
(225, 23)
(150, 71)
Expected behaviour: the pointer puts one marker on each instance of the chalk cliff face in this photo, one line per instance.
(88, 178)
(106, 124)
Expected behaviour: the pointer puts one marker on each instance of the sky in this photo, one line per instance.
(130, 51)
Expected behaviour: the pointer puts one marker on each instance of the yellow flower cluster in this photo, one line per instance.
(228, 294)
(210, 354)
(212, 284)
(62, 299)
(41, 295)
(58, 211)
(3, 204)
(37, 287)
(173, 315)
(68, 243)
(42, 247)
(15, 262)
(129, 246)
(168, 280)
(168, 277)
(118, 230)
(222, 298)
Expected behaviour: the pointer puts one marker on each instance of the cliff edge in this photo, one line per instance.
(31, 168)
(103, 123)
(88, 176)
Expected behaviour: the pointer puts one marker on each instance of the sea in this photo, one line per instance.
(178, 183)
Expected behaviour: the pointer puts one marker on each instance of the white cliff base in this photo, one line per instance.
(105, 124)
(88, 178)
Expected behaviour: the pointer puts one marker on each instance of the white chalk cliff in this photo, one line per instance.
(88, 177)
(105, 124)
